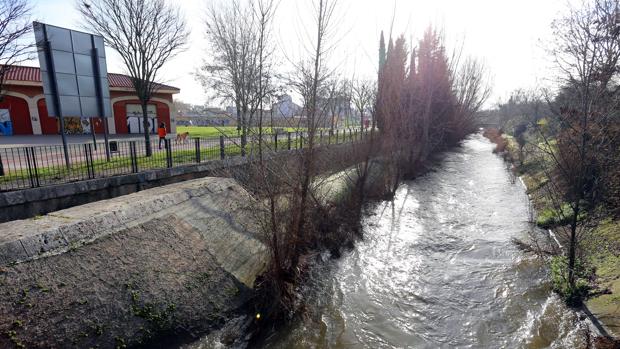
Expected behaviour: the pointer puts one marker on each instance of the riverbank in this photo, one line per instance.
(602, 247)
(156, 268)
(436, 268)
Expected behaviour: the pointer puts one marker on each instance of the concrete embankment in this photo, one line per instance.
(180, 258)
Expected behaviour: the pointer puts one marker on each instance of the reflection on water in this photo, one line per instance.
(437, 269)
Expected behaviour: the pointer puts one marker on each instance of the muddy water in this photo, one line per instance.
(437, 269)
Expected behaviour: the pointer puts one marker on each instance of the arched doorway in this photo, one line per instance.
(124, 122)
(19, 114)
(49, 125)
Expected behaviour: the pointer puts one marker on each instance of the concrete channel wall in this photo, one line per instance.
(29, 203)
(124, 271)
(111, 273)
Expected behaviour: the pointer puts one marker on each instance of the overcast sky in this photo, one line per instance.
(508, 35)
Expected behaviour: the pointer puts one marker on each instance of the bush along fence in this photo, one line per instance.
(39, 166)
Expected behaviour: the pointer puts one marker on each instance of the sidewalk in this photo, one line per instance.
(33, 140)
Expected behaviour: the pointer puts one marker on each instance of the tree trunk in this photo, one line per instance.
(244, 131)
(572, 249)
(362, 120)
(147, 134)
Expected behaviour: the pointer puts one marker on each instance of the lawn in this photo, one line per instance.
(185, 153)
(216, 131)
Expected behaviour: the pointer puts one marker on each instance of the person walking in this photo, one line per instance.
(161, 132)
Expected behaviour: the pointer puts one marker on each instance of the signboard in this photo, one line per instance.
(74, 72)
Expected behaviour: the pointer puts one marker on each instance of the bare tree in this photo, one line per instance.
(146, 34)
(363, 97)
(312, 74)
(240, 66)
(472, 89)
(587, 56)
(289, 185)
(14, 25)
(264, 11)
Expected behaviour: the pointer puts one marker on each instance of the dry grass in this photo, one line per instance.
(496, 136)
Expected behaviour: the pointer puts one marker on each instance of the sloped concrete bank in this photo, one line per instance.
(180, 259)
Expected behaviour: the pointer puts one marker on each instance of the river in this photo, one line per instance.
(437, 269)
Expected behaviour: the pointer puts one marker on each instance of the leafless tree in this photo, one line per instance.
(587, 55)
(331, 97)
(288, 185)
(240, 66)
(264, 11)
(363, 97)
(146, 34)
(14, 25)
(472, 88)
(313, 73)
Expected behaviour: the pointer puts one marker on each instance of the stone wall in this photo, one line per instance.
(180, 258)
(29, 203)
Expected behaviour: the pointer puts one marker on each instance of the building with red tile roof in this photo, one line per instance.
(23, 104)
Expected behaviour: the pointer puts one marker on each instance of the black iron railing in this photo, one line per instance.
(40, 166)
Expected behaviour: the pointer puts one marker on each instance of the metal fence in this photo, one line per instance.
(39, 166)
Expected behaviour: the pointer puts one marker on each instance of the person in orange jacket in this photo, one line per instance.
(161, 131)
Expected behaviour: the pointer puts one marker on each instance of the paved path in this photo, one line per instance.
(12, 141)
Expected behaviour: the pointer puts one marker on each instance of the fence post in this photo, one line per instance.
(275, 137)
(32, 167)
(168, 153)
(289, 140)
(133, 155)
(336, 136)
(321, 137)
(301, 140)
(197, 142)
(243, 145)
(1, 167)
(222, 149)
(89, 160)
(30, 174)
(350, 135)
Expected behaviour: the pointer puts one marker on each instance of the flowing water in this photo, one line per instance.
(437, 269)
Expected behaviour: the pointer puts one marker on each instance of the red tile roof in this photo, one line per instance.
(33, 74)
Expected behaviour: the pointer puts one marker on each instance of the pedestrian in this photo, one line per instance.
(161, 131)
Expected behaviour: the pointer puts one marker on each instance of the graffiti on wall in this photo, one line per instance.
(6, 127)
(77, 126)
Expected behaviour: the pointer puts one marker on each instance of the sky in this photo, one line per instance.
(510, 36)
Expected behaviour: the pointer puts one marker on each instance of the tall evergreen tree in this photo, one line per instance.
(382, 52)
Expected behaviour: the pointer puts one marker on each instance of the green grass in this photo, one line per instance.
(119, 165)
(604, 256)
(602, 247)
(549, 216)
(230, 131)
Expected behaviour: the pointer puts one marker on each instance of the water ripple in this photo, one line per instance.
(437, 270)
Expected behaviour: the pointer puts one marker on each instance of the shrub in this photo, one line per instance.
(550, 217)
(495, 136)
(572, 295)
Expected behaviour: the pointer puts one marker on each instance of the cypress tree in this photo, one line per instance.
(381, 52)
